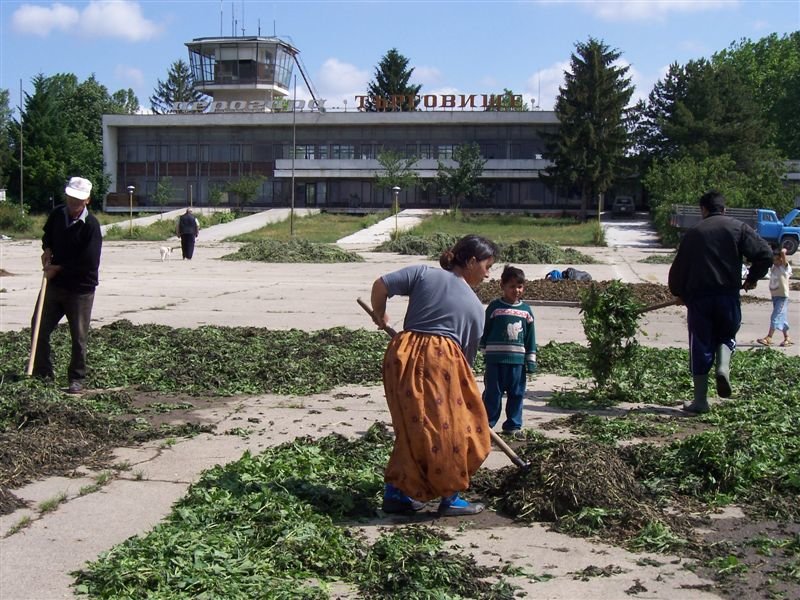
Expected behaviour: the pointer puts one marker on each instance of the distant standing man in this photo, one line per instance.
(70, 260)
(187, 229)
(706, 277)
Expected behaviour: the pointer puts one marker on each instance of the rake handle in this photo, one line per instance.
(37, 322)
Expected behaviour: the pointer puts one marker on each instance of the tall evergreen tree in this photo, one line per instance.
(702, 110)
(62, 137)
(392, 77)
(593, 136)
(179, 87)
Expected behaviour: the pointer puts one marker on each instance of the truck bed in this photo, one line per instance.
(685, 216)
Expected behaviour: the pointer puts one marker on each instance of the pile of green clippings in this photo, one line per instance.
(280, 525)
(293, 251)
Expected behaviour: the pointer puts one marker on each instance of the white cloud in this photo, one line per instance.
(652, 10)
(543, 85)
(426, 76)
(339, 81)
(132, 77)
(41, 20)
(117, 19)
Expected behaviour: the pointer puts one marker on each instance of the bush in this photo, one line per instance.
(14, 219)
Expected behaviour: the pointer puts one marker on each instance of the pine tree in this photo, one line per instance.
(392, 77)
(593, 137)
(179, 87)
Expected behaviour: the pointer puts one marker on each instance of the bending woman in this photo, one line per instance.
(440, 423)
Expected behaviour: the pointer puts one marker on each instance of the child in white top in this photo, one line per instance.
(779, 275)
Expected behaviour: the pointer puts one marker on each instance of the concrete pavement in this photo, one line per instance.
(35, 562)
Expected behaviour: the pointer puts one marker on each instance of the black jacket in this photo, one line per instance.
(709, 258)
(76, 248)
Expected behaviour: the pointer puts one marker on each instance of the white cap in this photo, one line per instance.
(79, 188)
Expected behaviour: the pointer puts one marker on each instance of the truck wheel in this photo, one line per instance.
(790, 244)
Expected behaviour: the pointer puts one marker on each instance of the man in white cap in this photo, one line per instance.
(70, 260)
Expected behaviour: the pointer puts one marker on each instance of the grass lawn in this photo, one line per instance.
(36, 222)
(512, 228)
(321, 228)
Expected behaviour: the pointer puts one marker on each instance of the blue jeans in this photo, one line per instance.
(58, 303)
(778, 320)
(713, 321)
(509, 379)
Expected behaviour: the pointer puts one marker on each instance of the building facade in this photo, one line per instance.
(330, 156)
(309, 153)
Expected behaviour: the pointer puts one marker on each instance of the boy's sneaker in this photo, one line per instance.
(456, 506)
(396, 502)
(75, 387)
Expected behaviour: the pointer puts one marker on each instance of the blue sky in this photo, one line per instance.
(455, 47)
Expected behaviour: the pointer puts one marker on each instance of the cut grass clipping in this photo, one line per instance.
(272, 526)
(293, 251)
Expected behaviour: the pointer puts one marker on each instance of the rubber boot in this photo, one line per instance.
(723, 372)
(700, 403)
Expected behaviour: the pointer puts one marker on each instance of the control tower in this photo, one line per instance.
(245, 68)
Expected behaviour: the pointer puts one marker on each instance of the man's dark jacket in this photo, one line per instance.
(76, 249)
(709, 258)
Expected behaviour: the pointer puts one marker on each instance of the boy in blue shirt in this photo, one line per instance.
(509, 346)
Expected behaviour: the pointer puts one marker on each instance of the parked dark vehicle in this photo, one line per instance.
(623, 205)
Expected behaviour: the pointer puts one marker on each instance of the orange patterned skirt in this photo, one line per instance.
(440, 424)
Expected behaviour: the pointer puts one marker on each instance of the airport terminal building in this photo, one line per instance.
(328, 155)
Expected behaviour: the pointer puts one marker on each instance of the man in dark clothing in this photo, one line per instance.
(706, 277)
(187, 229)
(70, 260)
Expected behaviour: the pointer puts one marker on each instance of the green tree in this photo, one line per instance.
(771, 69)
(508, 104)
(462, 182)
(392, 77)
(62, 137)
(703, 110)
(683, 180)
(163, 193)
(245, 189)
(6, 123)
(179, 87)
(125, 102)
(397, 170)
(593, 135)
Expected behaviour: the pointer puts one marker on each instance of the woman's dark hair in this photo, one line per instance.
(470, 246)
(512, 273)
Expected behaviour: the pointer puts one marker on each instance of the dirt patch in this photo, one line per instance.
(570, 291)
(4, 273)
(763, 559)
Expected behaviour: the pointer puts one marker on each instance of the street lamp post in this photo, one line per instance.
(396, 190)
(130, 212)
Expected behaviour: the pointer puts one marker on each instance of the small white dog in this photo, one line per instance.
(166, 253)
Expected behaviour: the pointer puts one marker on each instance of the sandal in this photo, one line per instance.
(786, 342)
(765, 341)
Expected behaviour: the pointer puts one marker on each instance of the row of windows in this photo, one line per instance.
(348, 194)
(165, 153)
